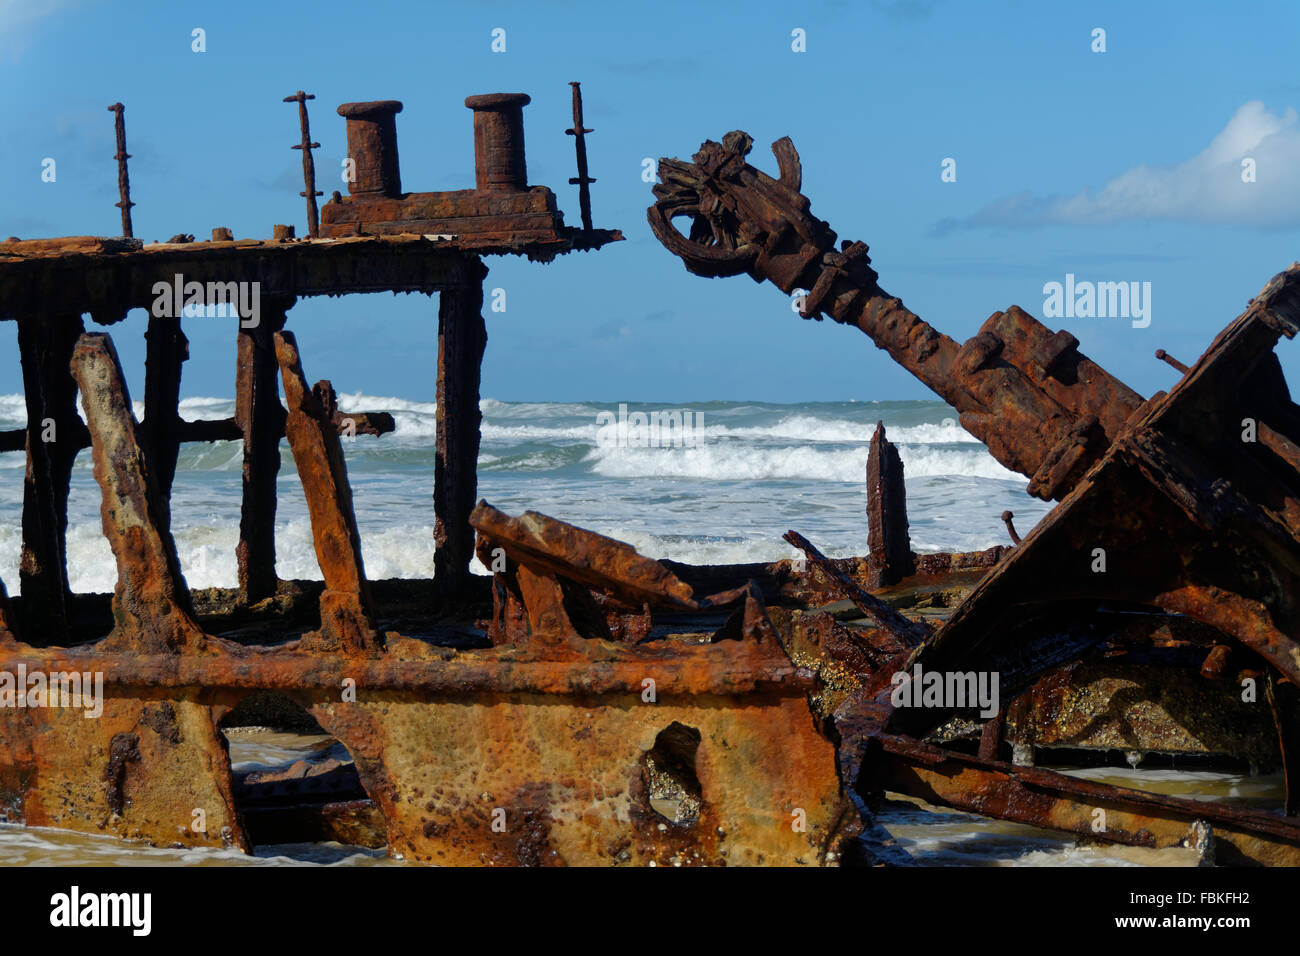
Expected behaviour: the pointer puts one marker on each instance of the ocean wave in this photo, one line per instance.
(794, 428)
(542, 421)
(735, 462)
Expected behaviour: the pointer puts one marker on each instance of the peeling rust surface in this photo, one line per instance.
(345, 604)
(1059, 802)
(1166, 505)
(151, 605)
(501, 213)
(612, 709)
(890, 549)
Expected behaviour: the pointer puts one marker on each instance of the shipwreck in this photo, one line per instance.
(586, 704)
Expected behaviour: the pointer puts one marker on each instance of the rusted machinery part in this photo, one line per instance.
(1163, 504)
(1039, 404)
(1180, 514)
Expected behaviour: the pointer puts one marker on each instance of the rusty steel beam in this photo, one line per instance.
(7, 622)
(547, 575)
(1284, 708)
(1042, 407)
(909, 633)
(261, 418)
(888, 545)
(462, 339)
(225, 429)
(345, 604)
(53, 435)
(109, 277)
(1172, 362)
(560, 584)
(590, 559)
(166, 349)
(151, 603)
(1089, 810)
(727, 667)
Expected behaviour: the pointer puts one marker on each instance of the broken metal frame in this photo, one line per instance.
(583, 624)
(1183, 511)
(423, 715)
(111, 282)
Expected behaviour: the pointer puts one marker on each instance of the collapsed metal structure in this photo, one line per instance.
(586, 704)
(1182, 508)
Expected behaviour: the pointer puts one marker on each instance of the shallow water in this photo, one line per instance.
(938, 836)
(933, 836)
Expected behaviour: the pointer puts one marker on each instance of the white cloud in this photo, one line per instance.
(1207, 188)
(17, 18)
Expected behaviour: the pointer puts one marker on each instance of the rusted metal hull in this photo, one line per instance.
(558, 745)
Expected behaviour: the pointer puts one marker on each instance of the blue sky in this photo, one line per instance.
(1115, 166)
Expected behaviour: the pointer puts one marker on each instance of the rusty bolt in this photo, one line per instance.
(1011, 529)
(1166, 357)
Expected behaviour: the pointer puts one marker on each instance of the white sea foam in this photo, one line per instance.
(737, 462)
(760, 469)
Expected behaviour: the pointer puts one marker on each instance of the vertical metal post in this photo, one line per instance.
(582, 180)
(462, 339)
(261, 418)
(123, 181)
(54, 436)
(308, 164)
(166, 348)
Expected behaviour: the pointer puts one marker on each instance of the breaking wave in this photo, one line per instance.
(757, 469)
